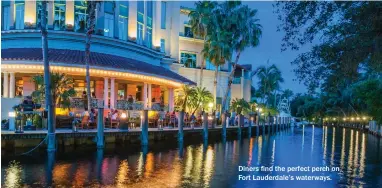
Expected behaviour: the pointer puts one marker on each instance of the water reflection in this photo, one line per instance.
(207, 164)
(13, 174)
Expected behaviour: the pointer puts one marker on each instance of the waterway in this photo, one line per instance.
(353, 157)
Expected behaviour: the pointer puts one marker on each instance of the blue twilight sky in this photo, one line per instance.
(270, 46)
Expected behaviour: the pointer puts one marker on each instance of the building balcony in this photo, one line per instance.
(190, 38)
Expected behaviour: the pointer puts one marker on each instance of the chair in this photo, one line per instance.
(85, 121)
(152, 122)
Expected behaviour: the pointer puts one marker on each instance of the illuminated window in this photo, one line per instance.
(123, 19)
(162, 45)
(80, 87)
(19, 18)
(140, 21)
(59, 15)
(163, 15)
(80, 16)
(149, 31)
(109, 25)
(188, 59)
(109, 19)
(5, 16)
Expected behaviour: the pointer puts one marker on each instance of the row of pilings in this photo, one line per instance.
(371, 127)
(255, 126)
(269, 125)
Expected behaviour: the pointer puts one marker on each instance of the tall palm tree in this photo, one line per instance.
(48, 86)
(269, 79)
(218, 52)
(91, 6)
(246, 33)
(200, 20)
(287, 94)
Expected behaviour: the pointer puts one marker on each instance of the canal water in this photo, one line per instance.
(353, 157)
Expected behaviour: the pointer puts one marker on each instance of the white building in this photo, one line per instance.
(134, 47)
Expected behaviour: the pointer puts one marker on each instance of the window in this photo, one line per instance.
(149, 36)
(149, 24)
(162, 45)
(80, 16)
(38, 15)
(80, 87)
(139, 93)
(59, 15)
(19, 18)
(140, 33)
(188, 59)
(109, 25)
(188, 31)
(163, 15)
(140, 21)
(5, 16)
(210, 66)
(123, 19)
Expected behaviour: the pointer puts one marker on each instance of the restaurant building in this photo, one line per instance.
(138, 49)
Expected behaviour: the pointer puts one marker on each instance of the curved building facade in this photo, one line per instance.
(138, 49)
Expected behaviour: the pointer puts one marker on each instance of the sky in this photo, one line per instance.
(270, 47)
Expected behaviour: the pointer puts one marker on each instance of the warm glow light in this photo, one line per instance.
(210, 105)
(260, 109)
(123, 115)
(39, 68)
(12, 114)
(344, 119)
(358, 118)
(352, 119)
(364, 118)
(334, 119)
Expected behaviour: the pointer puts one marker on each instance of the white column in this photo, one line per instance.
(12, 85)
(145, 95)
(149, 95)
(106, 92)
(6, 85)
(171, 99)
(112, 92)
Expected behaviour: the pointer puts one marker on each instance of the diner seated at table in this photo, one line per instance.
(173, 119)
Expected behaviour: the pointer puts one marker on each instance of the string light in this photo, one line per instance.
(94, 71)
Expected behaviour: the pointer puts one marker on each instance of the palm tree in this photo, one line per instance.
(246, 33)
(61, 90)
(91, 6)
(200, 20)
(182, 100)
(269, 80)
(48, 98)
(217, 51)
(200, 99)
(240, 105)
(287, 94)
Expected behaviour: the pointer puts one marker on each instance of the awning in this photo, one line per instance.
(96, 59)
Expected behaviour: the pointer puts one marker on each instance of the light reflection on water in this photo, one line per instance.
(357, 154)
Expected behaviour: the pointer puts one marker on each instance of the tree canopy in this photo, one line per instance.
(349, 35)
